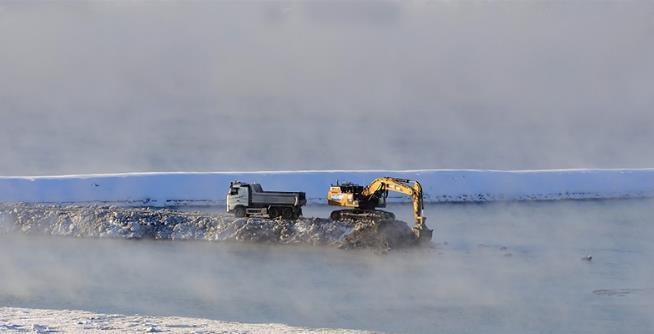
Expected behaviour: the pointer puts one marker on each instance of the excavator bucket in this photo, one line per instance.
(420, 229)
(423, 234)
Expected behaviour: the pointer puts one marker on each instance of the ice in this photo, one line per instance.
(71, 321)
(8, 326)
(41, 329)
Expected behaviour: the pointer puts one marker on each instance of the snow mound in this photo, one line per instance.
(172, 189)
(22, 320)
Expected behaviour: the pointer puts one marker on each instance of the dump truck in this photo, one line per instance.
(249, 199)
(363, 202)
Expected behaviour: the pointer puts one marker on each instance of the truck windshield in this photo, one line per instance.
(233, 191)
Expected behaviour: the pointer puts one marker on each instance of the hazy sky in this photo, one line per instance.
(152, 86)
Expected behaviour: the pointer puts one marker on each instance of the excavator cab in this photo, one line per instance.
(351, 195)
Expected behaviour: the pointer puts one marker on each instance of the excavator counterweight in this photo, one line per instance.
(364, 202)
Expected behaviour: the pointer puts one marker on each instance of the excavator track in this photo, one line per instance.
(359, 215)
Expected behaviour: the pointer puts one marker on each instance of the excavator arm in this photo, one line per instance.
(382, 185)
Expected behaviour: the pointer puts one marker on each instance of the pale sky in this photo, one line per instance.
(207, 86)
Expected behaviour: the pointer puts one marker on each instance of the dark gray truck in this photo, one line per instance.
(249, 199)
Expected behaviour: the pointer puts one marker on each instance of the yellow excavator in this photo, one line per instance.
(364, 202)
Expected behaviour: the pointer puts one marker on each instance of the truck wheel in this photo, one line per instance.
(273, 212)
(287, 213)
(239, 212)
(335, 216)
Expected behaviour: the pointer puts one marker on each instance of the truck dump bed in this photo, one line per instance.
(258, 195)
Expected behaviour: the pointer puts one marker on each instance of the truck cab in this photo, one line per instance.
(239, 195)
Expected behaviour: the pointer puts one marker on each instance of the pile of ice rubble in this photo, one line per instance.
(169, 224)
(21, 320)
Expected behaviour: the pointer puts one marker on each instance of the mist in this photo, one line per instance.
(496, 268)
(88, 87)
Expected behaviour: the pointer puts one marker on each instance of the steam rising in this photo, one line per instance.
(501, 268)
(143, 86)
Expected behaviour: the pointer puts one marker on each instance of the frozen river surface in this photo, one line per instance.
(493, 268)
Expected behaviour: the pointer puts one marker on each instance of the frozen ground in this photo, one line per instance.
(20, 320)
(492, 268)
(169, 189)
(167, 224)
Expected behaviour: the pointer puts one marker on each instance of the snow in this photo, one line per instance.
(183, 188)
(20, 320)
